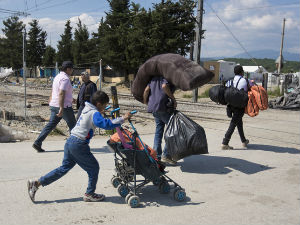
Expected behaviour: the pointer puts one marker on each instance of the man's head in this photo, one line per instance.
(85, 77)
(100, 99)
(67, 67)
(238, 70)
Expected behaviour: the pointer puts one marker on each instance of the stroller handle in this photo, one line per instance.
(108, 107)
(113, 111)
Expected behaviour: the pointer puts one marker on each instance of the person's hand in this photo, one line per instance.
(60, 112)
(127, 116)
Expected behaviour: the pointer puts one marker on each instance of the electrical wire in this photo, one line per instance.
(237, 40)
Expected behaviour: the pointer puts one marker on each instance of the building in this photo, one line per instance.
(223, 70)
(255, 72)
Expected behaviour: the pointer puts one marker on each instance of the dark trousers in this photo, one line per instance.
(236, 121)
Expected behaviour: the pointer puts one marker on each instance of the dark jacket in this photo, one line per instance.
(86, 92)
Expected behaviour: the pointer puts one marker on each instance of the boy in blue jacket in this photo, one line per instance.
(77, 150)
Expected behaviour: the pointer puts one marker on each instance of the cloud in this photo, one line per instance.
(255, 27)
(55, 28)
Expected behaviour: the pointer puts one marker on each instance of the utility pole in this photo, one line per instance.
(100, 73)
(281, 47)
(24, 72)
(198, 40)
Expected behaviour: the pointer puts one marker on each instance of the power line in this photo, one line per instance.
(251, 57)
(262, 7)
(59, 4)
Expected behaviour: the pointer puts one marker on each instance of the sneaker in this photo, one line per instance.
(32, 186)
(38, 148)
(245, 143)
(226, 147)
(168, 161)
(93, 197)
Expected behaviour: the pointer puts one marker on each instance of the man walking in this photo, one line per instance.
(87, 89)
(60, 103)
(158, 95)
(235, 113)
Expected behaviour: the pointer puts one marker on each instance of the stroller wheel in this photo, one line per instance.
(156, 182)
(179, 194)
(123, 190)
(164, 187)
(127, 197)
(134, 201)
(115, 181)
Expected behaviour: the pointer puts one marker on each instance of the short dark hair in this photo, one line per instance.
(238, 70)
(66, 64)
(101, 97)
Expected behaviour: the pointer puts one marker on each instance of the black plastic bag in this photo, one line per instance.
(184, 137)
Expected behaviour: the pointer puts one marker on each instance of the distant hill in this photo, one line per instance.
(268, 64)
(269, 54)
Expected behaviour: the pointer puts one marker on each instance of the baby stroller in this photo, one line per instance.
(134, 158)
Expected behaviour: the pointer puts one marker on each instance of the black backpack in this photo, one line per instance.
(235, 97)
(216, 94)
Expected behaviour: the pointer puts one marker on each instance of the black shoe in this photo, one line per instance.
(38, 148)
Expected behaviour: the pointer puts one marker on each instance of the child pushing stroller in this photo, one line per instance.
(77, 150)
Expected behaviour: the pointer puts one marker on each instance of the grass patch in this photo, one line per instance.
(274, 93)
(205, 94)
(187, 96)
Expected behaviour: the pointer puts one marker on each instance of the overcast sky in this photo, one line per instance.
(257, 24)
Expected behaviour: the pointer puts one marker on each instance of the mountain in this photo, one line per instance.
(269, 54)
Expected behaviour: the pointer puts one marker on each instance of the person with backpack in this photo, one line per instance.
(236, 113)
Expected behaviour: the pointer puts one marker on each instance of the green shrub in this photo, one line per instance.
(275, 92)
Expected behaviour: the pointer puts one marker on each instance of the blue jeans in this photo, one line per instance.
(75, 151)
(161, 119)
(68, 116)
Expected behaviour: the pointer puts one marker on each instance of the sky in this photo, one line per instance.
(232, 26)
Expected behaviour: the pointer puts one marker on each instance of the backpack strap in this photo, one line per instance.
(237, 82)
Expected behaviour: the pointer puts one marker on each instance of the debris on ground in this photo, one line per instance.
(288, 101)
(9, 135)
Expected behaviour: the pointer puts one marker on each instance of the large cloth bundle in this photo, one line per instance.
(184, 137)
(261, 96)
(252, 108)
(181, 72)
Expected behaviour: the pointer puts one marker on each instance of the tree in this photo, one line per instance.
(49, 57)
(137, 51)
(12, 49)
(82, 45)
(172, 27)
(36, 45)
(114, 39)
(129, 36)
(65, 45)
